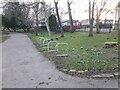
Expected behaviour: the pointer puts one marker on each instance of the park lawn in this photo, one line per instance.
(4, 38)
(85, 53)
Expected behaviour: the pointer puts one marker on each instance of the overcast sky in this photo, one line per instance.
(78, 7)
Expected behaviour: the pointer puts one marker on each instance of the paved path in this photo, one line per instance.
(24, 67)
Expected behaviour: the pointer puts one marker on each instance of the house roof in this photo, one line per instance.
(85, 21)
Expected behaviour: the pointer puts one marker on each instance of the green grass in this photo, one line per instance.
(4, 38)
(91, 57)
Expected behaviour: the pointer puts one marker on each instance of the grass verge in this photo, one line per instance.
(86, 54)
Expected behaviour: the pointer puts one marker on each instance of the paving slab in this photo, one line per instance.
(103, 76)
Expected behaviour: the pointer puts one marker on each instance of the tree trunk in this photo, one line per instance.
(70, 18)
(90, 31)
(91, 28)
(36, 15)
(119, 26)
(91, 20)
(109, 30)
(58, 17)
(97, 25)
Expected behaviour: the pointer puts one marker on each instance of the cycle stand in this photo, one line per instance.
(62, 49)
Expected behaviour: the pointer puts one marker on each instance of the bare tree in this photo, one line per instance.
(40, 11)
(118, 6)
(70, 16)
(62, 13)
(24, 17)
(102, 8)
(35, 7)
(58, 17)
(33, 13)
(91, 17)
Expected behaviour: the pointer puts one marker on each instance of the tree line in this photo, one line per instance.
(96, 10)
(25, 16)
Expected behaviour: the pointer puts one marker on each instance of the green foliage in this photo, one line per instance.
(53, 23)
(11, 13)
(15, 16)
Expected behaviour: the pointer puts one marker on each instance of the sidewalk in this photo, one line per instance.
(24, 67)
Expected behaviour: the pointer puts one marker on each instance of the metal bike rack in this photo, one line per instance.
(45, 43)
(51, 46)
(41, 39)
(62, 49)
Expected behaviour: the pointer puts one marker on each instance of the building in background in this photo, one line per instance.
(66, 24)
(85, 23)
(107, 23)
